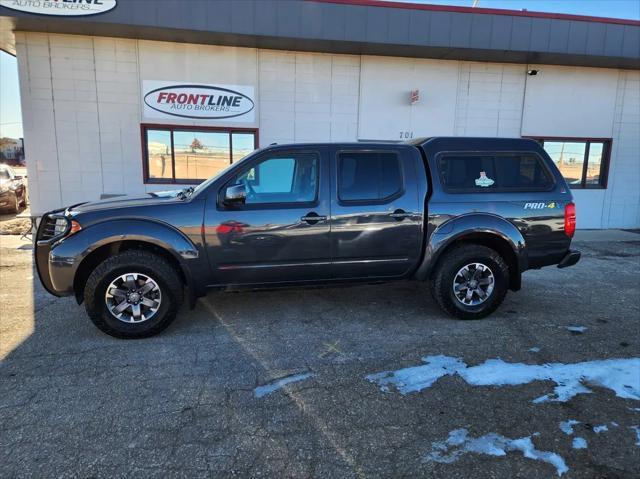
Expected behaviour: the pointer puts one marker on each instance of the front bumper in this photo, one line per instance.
(56, 271)
(571, 258)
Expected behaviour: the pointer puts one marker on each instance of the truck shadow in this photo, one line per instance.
(188, 394)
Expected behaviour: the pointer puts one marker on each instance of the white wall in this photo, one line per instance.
(307, 97)
(597, 103)
(385, 88)
(490, 99)
(622, 198)
(82, 109)
(80, 101)
(570, 102)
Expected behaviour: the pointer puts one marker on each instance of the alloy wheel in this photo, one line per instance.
(473, 284)
(133, 297)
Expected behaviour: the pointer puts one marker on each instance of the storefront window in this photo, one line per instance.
(569, 158)
(583, 163)
(180, 155)
(243, 144)
(594, 165)
(160, 160)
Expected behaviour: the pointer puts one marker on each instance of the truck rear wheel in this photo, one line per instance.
(132, 295)
(470, 281)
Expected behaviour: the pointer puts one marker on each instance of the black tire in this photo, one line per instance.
(23, 203)
(453, 261)
(133, 261)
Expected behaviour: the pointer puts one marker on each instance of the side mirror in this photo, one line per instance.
(235, 194)
(18, 177)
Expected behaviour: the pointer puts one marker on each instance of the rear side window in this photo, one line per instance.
(487, 172)
(368, 176)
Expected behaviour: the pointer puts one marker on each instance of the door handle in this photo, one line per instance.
(399, 215)
(312, 218)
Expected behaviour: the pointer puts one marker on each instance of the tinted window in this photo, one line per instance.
(290, 178)
(490, 172)
(368, 176)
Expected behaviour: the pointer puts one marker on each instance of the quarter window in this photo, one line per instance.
(583, 163)
(368, 176)
(517, 172)
(183, 155)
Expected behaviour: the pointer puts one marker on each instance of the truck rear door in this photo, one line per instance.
(376, 212)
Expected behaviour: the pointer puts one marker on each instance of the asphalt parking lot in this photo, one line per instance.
(203, 399)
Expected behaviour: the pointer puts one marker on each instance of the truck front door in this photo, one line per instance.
(376, 215)
(280, 232)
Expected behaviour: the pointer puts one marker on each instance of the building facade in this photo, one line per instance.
(109, 109)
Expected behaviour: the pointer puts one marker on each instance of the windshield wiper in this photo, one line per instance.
(185, 193)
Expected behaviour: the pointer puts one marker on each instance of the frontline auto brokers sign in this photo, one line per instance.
(198, 101)
(69, 8)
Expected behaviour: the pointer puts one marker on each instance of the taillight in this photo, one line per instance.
(570, 220)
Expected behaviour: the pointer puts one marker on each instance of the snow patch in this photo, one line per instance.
(417, 378)
(618, 375)
(579, 443)
(534, 350)
(576, 329)
(637, 431)
(459, 442)
(600, 428)
(567, 426)
(261, 391)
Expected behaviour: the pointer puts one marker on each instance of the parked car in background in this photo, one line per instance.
(13, 190)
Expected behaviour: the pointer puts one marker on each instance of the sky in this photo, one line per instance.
(10, 115)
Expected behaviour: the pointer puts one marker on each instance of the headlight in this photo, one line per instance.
(60, 226)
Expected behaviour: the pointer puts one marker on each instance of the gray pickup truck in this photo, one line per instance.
(466, 215)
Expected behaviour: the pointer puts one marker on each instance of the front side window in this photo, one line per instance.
(583, 163)
(281, 178)
(489, 172)
(368, 176)
(182, 155)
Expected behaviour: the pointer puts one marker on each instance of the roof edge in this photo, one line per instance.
(482, 11)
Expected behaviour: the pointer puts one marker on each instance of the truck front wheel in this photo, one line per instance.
(134, 294)
(470, 281)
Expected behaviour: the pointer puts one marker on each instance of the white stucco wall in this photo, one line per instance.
(82, 109)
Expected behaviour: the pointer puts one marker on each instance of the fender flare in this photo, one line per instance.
(469, 224)
(73, 250)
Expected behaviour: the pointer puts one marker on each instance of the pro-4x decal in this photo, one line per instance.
(541, 205)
